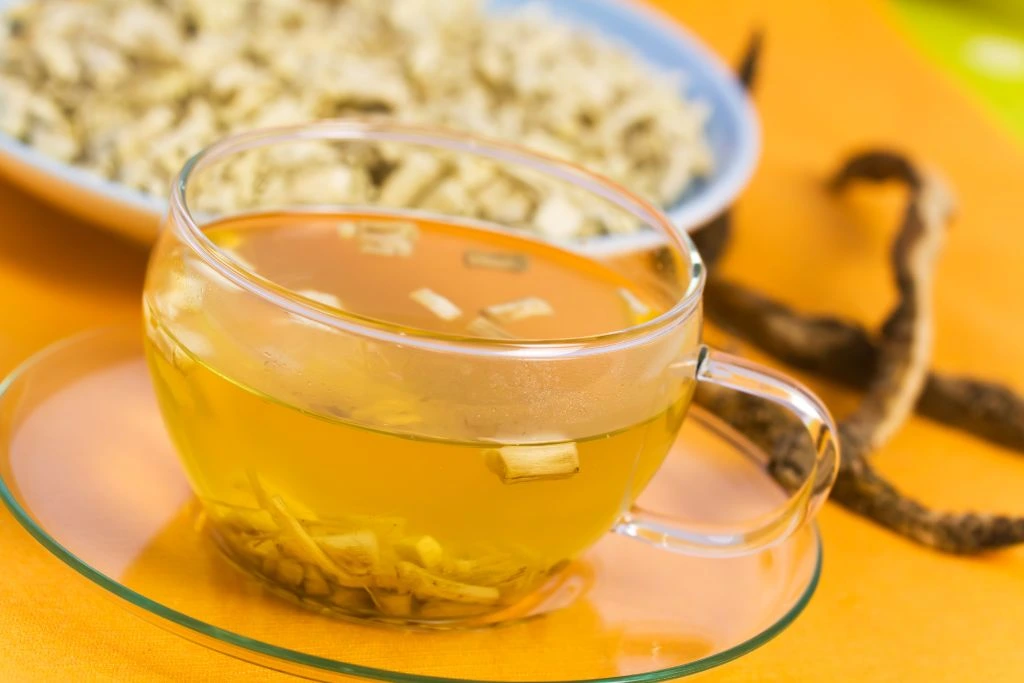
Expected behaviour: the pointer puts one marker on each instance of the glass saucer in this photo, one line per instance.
(87, 468)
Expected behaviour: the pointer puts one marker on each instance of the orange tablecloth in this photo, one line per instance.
(837, 75)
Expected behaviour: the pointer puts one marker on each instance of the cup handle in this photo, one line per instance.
(734, 373)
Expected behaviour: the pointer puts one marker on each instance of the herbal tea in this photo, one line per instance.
(364, 479)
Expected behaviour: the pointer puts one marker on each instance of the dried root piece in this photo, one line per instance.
(351, 599)
(501, 571)
(427, 586)
(511, 262)
(487, 328)
(346, 230)
(404, 229)
(386, 245)
(314, 584)
(517, 464)
(290, 572)
(422, 550)
(898, 371)
(356, 552)
(325, 298)
(843, 351)
(437, 304)
(296, 541)
(520, 309)
(637, 308)
(906, 338)
(393, 604)
(387, 238)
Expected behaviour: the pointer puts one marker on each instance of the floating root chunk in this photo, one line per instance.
(440, 306)
(515, 464)
(426, 586)
(329, 300)
(487, 329)
(386, 245)
(512, 262)
(892, 369)
(404, 229)
(637, 308)
(422, 550)
(356, 552)
(346, 230)
(387, 238)
(520, 309)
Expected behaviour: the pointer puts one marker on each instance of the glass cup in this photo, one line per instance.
(384, 472)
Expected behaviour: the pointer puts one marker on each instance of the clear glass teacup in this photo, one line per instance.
(412, 373)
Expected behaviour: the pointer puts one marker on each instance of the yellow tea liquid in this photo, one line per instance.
(359, 505)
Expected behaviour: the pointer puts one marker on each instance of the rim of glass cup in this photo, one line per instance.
(186, 228)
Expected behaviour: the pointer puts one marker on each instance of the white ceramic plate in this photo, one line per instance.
(733, 130)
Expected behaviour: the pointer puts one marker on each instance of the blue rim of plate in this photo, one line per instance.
(734, 131)
(198, 630)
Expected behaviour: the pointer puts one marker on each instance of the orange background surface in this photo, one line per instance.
(836, 76)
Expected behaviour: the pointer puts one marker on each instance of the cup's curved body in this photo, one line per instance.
(390, 472)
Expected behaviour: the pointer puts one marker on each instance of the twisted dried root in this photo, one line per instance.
(897, 375)
(843, 350)
(890, 369)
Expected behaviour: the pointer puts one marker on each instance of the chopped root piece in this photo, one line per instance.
(357, 552)
(512, 262)
(386, 245)
(638, 308)
(440, 306)
(263, 548)
(520, 309)
(314, 583)
(298, 543)
(422, 550)
(324, 298)
(350, 598)
(515, 464)
(426, 586)
(558, 218)
(393, 604)
(487, 329)
(488, 571)
(295, 540)
(290, 572)
(403, 229)
(346, 230)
